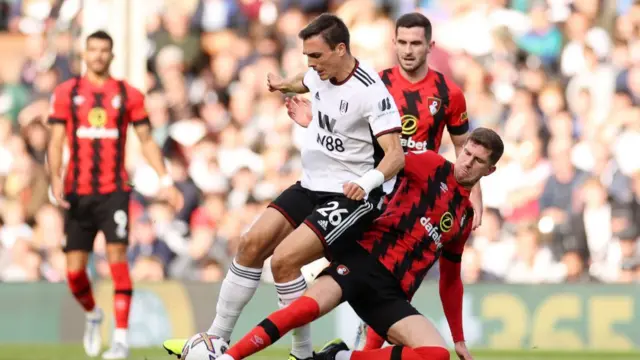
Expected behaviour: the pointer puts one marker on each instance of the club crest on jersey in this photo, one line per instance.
(344, 106)
(434, 105)
(446, 222)
(342, 270)
(98, 117)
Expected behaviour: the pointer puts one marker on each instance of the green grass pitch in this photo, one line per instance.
(75, 352)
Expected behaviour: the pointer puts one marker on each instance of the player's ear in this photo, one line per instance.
(432, 43)
(491, 170)
(342, 49)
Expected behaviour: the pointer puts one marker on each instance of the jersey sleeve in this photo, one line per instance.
(381, 110)
(135, 106)
(457, 118)
(59, 106)
(310, 80)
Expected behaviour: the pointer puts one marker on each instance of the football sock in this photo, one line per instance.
(237, 289)
(81, 289)
(433, 353)
(396, 353)
(288, 292)
(300, 312)
(374, 341)
(121, 298)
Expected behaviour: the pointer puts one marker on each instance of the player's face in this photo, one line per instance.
(98, 55)
(321, 58)
(412, 48)
(473, 163)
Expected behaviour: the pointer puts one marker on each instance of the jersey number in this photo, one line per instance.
(332, 211)
(330, 143)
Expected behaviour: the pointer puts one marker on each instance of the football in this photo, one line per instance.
(203, 346)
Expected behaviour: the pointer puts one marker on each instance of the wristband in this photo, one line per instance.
(166, 181)
(370, 180)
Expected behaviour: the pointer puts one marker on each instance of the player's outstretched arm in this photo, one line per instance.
(299, 110)
(290, 85)
(152, 153)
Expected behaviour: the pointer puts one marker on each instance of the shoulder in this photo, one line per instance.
(130, 89)
(387, 76)
(365, 76)
(453, 88)
(426, 155)
(65, 87)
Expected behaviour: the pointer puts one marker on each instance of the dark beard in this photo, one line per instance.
(414, 69)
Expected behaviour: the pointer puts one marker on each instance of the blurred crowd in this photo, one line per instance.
(559, 80)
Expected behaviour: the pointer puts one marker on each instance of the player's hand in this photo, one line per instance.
(173, 196)
(57, 188)
(274, 82)
(299, 110)
(353, 191)
(462, 351)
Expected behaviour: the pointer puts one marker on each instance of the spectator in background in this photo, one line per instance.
(533, 262)
(145, 243)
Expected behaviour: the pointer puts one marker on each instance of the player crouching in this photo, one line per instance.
(429, 218)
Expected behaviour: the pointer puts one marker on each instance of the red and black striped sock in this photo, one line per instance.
(298, 313)
(123, 293)
(81, 289)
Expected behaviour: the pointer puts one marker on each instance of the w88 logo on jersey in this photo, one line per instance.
(330, 143)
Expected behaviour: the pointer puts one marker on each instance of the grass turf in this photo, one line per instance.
(75, 352)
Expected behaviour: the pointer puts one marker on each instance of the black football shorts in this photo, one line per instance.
(371, 290)
(331, 216)
(90, 213)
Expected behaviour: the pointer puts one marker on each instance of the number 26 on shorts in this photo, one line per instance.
(332, 213)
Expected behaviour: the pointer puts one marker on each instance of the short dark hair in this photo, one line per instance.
(490, 140)
(102, 35)
(332, 29)
(415, 19)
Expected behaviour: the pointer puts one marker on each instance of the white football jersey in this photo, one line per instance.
(340, 142)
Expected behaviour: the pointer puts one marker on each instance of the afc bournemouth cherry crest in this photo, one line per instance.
(342, 270)
(434, 105)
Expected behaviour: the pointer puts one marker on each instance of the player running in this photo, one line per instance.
(428, 218)
(93, 112)
(352, 147)
(427, 101)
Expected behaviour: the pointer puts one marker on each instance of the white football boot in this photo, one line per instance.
(92, 339)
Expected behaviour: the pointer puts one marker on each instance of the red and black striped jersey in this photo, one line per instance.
(429, 215)
(96, 120)
(426, 107)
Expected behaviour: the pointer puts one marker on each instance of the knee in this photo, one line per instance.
(251, 250)
(284, 265)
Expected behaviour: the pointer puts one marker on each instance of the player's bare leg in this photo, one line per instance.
(80, 286)
(243, 277)
(301, 247)
(321, 298)
(416, 339)
(123, 291)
